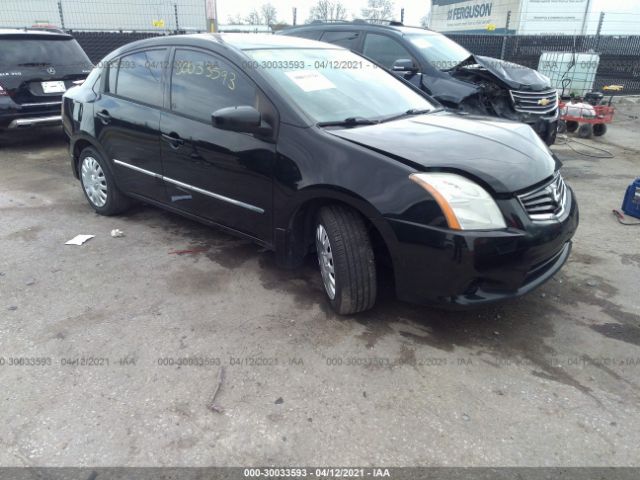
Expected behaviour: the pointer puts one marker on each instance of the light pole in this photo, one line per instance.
(211, 7)
(584, 20)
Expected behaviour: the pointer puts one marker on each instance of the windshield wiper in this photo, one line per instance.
(349, 122)
(32, 64)
(408, 113)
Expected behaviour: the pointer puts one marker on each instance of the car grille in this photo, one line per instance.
(534, 102)
(546, 202)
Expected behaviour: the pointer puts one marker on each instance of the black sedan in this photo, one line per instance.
(303, 146)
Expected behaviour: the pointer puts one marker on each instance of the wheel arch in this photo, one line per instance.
(295, 241)
(78, 145)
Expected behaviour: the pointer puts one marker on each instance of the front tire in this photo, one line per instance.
(98, 184)
(346, 260)
(562, 127)
(572, 126)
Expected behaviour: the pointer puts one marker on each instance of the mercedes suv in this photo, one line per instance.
(36, 68)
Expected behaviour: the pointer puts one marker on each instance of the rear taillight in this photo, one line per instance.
(3, 92)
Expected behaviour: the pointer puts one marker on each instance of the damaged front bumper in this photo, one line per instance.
(546, 126)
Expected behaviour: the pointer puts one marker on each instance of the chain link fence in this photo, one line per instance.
(619, 55)
(101, 26)
(153, 16)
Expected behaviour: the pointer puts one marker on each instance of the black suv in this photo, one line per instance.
(36, 68)
(448, 72)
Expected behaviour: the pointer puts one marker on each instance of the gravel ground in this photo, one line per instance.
(549, 379)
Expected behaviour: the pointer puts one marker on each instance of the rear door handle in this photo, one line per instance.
(104, 117)
(173, 139)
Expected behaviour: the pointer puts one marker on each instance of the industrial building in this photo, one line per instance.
(525, 17)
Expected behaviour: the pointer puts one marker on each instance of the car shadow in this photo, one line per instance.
(29, 138)
(511, 332)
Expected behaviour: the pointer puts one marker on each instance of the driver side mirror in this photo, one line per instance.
(241, 119)
(404, 65)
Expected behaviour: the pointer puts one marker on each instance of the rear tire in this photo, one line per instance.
(346, 260)
(98, 184)
(599, 129)
(585, 130)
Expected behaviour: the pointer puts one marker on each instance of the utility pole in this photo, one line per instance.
(584, 18)
(61, 14)
(211, 12)
(504, 37)
(599, 31)
(295, 15)
(402, 15)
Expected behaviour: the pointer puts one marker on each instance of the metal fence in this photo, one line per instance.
(619, 55)
(100, 26)
(106, 15)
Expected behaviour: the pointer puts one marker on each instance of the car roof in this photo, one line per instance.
(255, 41)
(32, 32)
(237, 42)
(360, 25)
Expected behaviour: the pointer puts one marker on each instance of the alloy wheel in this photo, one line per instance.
(325, 259)
(94, 182)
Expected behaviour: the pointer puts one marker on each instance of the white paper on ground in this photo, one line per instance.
(79, 239)
(310, 80)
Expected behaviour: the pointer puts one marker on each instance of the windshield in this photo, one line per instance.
(333, 85)
(438, 50)
(34, 53)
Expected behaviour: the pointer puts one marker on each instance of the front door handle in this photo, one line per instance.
(173, 139)
(104, 117)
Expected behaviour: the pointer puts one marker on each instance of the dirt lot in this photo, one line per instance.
(550, 379)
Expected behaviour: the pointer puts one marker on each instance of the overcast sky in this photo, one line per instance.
(414, 9)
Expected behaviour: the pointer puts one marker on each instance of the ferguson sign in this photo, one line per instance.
(465, 15)
(526, 16)
(470, 11)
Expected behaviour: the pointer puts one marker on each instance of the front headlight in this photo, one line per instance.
(465, 204)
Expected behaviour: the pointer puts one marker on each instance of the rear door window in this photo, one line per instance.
(202, 83)
(140, 76)
(384, 49)
(344, 39)
(54, 51)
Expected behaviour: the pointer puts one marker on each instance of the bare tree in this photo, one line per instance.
(378, 10)
(327, 11)
(235, 19)
(253, 18)
(268, 14)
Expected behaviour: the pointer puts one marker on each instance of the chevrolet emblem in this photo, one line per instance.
(543, 102)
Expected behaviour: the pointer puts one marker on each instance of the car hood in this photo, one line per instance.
(507, 156)
(517, 77)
